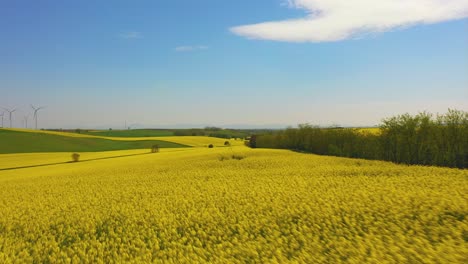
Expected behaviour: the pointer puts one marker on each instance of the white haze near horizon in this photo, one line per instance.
(367, 114)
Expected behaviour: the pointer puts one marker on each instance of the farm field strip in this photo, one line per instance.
(193, 141)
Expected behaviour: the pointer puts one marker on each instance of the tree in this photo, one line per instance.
(155, 149)
(75, 157)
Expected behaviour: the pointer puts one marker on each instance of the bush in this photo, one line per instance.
(226, 143)
(75, 157)
(210, 146)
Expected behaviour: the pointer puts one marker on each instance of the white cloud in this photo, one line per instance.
(131, 35)
(190, 48)
(335, 20)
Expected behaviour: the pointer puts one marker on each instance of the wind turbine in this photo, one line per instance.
(3, 113)
(11, 114)
(36, 109)
(26, 121)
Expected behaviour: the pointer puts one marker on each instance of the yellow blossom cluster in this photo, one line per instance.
(273, 206)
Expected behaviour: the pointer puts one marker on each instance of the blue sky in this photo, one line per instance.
(196, 63)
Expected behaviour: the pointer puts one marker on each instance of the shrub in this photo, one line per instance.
(75, 157)
(233, 156)
(222, 158)
(210, 146)
(238, 157)
(226, 143)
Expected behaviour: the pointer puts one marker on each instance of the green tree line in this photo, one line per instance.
(425, 139)
(218, 132)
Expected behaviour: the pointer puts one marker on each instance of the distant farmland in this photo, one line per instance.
(207, 131)
(130, 133)
(26, 142)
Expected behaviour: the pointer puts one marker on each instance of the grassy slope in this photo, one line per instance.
(22, 142)
(193, 141)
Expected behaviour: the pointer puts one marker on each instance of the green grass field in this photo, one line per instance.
(130, 133)
(24, 142)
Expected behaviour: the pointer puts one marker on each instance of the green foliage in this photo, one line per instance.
(251, 141)
(25, 142)
(425, 140)
(420, 139)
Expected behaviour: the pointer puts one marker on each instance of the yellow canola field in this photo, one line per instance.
(370, 130)
(271, 206)
(36, 159)
(193, 141)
